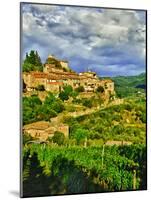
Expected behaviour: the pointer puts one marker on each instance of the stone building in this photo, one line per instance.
(53, 79)
(51, 67)
(42, 130)
(64, 64)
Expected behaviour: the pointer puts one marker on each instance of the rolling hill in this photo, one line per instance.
(130, 85)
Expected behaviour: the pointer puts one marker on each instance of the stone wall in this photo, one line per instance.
(53, 87)
(64, 129)
(42, 135)
(43, 130)
(64, 65)
(51, 68)
(52, 78)
(48, 68)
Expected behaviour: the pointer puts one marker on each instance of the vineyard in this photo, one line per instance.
(49, 170)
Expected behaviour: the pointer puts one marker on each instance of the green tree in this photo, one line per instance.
(68, 89)
(32, 62)
(74, 94)
(63, 96)
(58, 138)
(30, 108)
(66, 93)
(87, 103)
(80, 134)
(80, 89)
(49, 99)
(37, 59)
(45, 112)
(57, 106)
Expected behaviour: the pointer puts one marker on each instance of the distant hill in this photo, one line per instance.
(143, 86)
(130, 85)
(131, 81)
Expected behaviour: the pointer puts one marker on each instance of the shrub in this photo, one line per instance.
(57, 106)
(49, 99)
(32, 62)
(58, 138)
(40, 88)
(71, 108)
(26, 138)
(80, 134)
(87, 103)
(63, 96)
(66, 93)
(80, 89)
(45, 113)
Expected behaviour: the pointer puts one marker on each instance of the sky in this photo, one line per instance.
(111, 42)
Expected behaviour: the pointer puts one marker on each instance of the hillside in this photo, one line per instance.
(118, 122)
(130, 85)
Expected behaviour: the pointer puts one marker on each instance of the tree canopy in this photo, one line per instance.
(32, 62)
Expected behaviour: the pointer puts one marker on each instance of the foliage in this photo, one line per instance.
(74, 94)
(32, 62)
(58, 138)
(80, 89)
(78, 169)
(63, 96)
(118, 122)
(66, 93)
(130, 85)
(26, 138)
(34, 179)
(30, 108)
(45, 112)
(34, 110)
(54, 103)
(80, 134)
(87, 103)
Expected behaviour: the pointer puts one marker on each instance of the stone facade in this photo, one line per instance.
(64, 64)
(43, 130)
(53, 79)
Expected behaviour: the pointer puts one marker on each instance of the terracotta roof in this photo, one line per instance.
(53, 77)
(64, 76)
(55, 83)
(39, 74)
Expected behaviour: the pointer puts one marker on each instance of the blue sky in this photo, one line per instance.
(108, 41)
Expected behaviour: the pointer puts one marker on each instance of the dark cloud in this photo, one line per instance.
(111, 42)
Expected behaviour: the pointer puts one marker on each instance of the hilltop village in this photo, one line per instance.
(55, 75)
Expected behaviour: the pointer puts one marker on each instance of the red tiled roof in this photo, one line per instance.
(39, 74)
